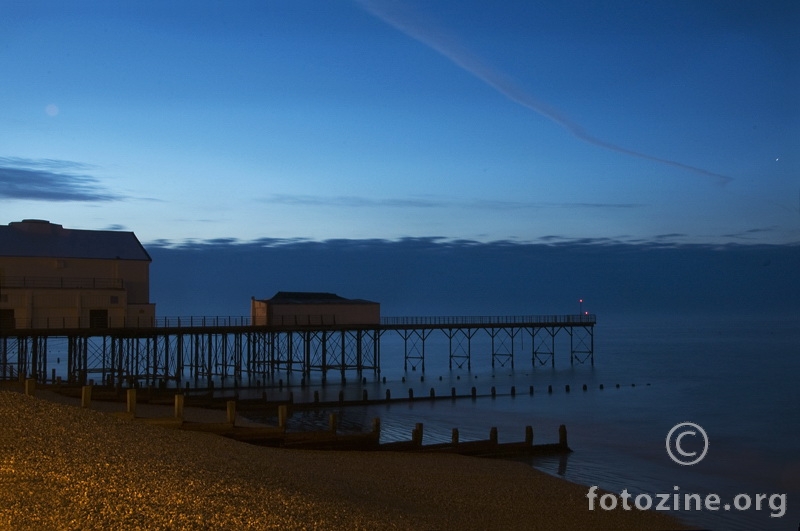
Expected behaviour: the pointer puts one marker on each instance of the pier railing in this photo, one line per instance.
(488, 320)
(9, 326)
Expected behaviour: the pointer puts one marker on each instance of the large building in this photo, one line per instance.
(52, 277)
(292, 308)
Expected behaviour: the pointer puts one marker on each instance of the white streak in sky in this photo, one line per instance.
(502, 84)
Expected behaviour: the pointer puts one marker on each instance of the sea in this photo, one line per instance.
(736, 378)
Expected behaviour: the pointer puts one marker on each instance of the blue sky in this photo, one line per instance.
(488, 121)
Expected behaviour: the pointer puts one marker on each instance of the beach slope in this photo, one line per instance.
(63, 467)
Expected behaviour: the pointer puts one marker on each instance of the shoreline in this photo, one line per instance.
(63, 466)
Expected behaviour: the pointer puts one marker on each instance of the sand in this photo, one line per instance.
(63, 467)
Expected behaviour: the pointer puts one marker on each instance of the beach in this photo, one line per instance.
(64, 467)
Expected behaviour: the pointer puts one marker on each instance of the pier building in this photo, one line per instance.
(52, 277)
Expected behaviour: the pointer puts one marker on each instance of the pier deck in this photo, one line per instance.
(202, 351)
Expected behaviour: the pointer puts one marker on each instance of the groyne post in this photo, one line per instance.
(231, 412)
(30, 386)
(131, 402)
(86, 396)
(493, 436)
(332, 422)
(282, 413)
(528, 435)
(179, 399)
(562, 436)
(416, 434)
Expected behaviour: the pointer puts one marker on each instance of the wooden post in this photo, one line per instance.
(179, 399)
(282, 416)
(332, 422)
(86, 396)
(231, 412)
(376, 425)
(455, 437)
(528, 435)
(562, 436)
(30, 386)
(131, 401)
(493, 435)
(416, 434)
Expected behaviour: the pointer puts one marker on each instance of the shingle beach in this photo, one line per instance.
(63, 467)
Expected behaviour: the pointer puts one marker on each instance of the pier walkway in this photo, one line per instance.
(203, 350)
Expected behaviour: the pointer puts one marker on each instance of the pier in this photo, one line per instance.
(208, 351)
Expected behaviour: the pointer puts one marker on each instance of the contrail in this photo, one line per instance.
(505, 86)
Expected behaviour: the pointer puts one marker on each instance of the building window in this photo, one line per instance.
(7, 321)
(98, 318)
(114, 299)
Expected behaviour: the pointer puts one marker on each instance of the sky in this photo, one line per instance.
(517, 121)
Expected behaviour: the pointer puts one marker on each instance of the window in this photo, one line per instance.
(98, 318)
(7, 318)
(114, 299)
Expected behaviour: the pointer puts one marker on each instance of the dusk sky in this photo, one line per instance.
(517, 120)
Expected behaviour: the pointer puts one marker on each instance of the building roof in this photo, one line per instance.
(42, 239)
(312, 297)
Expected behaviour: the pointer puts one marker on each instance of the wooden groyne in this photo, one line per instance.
(331, 439)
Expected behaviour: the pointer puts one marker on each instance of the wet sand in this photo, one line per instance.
(63, 467)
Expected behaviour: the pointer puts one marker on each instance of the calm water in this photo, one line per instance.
(737, 378)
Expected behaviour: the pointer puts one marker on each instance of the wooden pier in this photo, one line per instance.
(209, 352)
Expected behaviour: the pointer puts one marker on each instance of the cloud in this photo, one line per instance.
(50, 180)
(351, 201)
(749, 234)
(437, 276)
(409, 24)
(428, 202)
